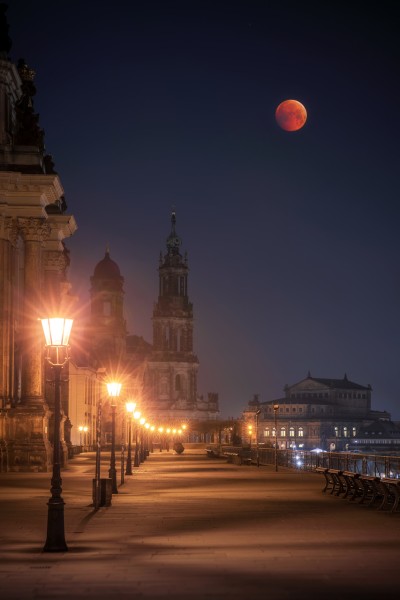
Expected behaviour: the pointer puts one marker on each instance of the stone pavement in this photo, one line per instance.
(188, 527)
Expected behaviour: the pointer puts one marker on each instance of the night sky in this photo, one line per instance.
(292, 237)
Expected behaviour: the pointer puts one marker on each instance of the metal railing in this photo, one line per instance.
(308, 460)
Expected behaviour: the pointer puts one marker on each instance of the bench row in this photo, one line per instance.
(382, 492)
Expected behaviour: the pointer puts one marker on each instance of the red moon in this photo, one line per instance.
(291, 115)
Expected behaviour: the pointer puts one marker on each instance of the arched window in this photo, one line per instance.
(300, 432)
(336, 430)
(283, 432)
(354, 431)
(266, 432)
(291, 432)
(273, 431)
(345, 432)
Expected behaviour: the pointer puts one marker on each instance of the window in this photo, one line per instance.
(283, 432)
(273, 431)
(300, 432)
(266, 432)
(336, 430)
(354, 431)
(345, 432)
(291, 432)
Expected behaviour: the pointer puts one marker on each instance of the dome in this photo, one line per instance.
(107, 268)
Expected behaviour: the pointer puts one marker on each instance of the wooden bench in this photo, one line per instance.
(353, 487)
(337, 481)
(237, 459)
(328, 480)
(371, 489)
(390, 489)
(212, 453)
(334, 483)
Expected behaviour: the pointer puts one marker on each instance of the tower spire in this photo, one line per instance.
(173, 240)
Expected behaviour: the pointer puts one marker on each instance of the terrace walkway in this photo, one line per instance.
(186, 527)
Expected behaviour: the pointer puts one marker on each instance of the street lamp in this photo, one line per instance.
(136, 462)
(250, 432)
(276, 408)
(113, 389)
(83, 429)
(56, 331)
(257, 449)
(130, 407)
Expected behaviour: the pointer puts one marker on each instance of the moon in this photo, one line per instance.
(291, 115)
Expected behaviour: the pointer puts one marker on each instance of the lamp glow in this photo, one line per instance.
(113, 389)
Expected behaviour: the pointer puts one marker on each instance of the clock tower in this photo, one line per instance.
(171, 375)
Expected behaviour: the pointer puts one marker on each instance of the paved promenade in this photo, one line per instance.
(188, 527)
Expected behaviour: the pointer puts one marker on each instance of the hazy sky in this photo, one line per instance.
(292, 237)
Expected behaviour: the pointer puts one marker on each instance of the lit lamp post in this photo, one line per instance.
(83, 429)
(276, 408)
(257, 449)
(142, 421)
(113, 389)
(250, 432)
(56, 332)
(152, 428)
(130, 407)
(160, 431)
(136, 462)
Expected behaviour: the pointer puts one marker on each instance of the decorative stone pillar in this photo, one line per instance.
(34, 232)
(8, 236)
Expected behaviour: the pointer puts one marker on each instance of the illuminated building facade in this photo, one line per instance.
(33, 265)
(316, 413)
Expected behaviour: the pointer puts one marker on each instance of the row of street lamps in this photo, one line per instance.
(57, 332)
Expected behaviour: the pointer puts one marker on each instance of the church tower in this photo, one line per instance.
(171, 375)
(107, 323)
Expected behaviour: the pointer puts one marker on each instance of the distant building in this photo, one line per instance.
(316, 413)
(161, 377)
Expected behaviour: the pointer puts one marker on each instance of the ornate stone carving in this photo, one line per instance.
(33, 229)
(8, 230)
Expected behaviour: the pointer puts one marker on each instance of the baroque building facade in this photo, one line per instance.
(33, 264)
(324, 413)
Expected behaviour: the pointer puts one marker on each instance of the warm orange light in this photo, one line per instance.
(114, 389)
(57, 331)
(130, 407)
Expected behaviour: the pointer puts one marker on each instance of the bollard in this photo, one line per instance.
(105, 492)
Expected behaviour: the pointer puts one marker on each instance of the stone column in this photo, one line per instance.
(34, 232)
(7, 311)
